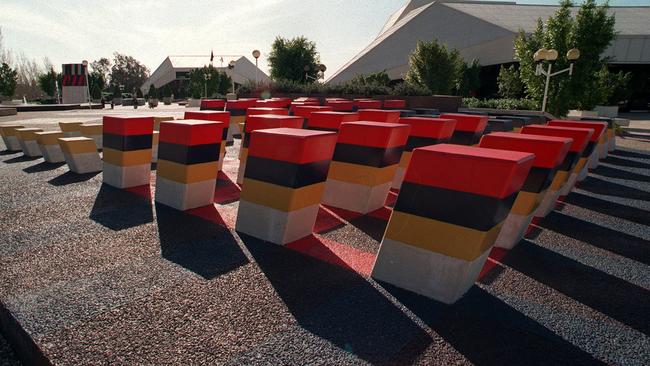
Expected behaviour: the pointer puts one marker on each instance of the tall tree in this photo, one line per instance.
(591, 31)
(127, 71)
(47, 81)
(102, 67)
(434, 67)
(8, 80)
(509, 82)
(218, 83)
(469, 77)
(294, 59)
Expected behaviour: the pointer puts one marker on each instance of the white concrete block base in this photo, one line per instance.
(273, 225)
(570, 183)
(154, 153)
(240, 172)
(612, 144)
(399, 178)
(584, 172)
(99, 141)
(548, 203)
(30, 148)
(126, 176)
(434, 275)
(52, 153)
(594, 159)
(12, 143)
(83, 163)
(603, 150)
(184, 196)
(220, 162)
(355, 197)
(72, 134)
(232, 127)
(513, 230)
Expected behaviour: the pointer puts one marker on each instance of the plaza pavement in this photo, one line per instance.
(94, 275)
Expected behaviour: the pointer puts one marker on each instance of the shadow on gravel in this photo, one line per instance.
(609, 208)
(201, 246)
(71, 178)
(599, 186)
(630, 154)
(22, 158)
(372, 226)
(339, 305)
(7, 152)
(620, 174)
(487, 331)
(118, 209)
(607, 294)
(43, 167)
(625, 162)
(618, 242)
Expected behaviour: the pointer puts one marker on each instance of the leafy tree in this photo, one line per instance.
(47, 82)
(469, 77)
(294, 59)
(8, 80)
(153, 92)
(218, 83)
(591, 31)
(434, 67)
(614, 87)
(96, 83)
(127, 71)
(380, 78)
(102, 67)
(509, 82)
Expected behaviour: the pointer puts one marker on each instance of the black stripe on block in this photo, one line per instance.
(454, 207)
(127, 143)
(284, 173)
(188, 154)
(414, 142)
(589, 149)
(465, 138)
(569, 162)
(236, 112)
(377, 157)
(538, 179)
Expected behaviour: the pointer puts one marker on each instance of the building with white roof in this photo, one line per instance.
(176, 69)
(484, 31)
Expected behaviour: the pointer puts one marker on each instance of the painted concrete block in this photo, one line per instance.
(71, 129)
(94, 131)
(81, 154)
(469, 128)
(10, 138)
(330, 121)
(48, 142)
(27, 141)
(598, 143)
(127, 150)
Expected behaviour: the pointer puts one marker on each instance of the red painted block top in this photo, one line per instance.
(341, 105)
(264, 121)
(367, 104)
(374, 134)
(266, 110)
(331, 120)
(240, 104)
(127, 125)
(191, 132)
(580, 136)
(292, 145)
(305, 111)
(487, 172)
(273, 103)
(293, 105)
(549, 151)
(468, 122)
(217, 116)
(438, 128)
(598, 127)
(395, 103)
(213, 103)
(379, 115)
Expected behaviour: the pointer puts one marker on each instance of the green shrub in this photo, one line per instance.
(504, 103)
(408, 89)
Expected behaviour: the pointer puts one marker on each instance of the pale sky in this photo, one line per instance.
(149, 30)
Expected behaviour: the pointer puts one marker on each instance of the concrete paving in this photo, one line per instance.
(94, 275)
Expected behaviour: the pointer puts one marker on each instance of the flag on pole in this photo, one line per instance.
(211, 56)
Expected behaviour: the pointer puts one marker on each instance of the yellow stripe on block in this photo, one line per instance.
(610, 133)
(361, 174)
(580, 165)
(70, 126)
(516, 129)
(49, 137)
(182, 173)
(27, 134)
(279, 197)
(243, 154)
(242, 126)
(9, 130)
(440, 237)
(405, 159)
(77, 145)
(560, 179)
(92, 129)
(237, 119)
(222, 148)
(527, 202)
(127, 158)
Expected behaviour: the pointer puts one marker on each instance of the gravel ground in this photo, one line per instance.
(96, 275)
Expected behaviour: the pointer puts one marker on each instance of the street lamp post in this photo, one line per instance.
(85, 65)
(550, 56)
(256, 54)
(205, 85)
(319, 75)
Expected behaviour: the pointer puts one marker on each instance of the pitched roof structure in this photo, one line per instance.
(481, 30)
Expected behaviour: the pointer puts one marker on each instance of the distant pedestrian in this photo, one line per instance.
(135, 102)
(112, 104)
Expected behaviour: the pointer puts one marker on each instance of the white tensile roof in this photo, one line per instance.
(482, 30)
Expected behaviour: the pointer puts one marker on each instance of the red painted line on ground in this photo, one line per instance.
(493, 261)
(327, 220)
(382, 213)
